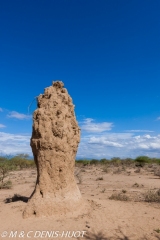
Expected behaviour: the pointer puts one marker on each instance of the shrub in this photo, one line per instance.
(124, 191)
(123, 168)
(94, 161)
(4, 171)
(127, 161)
(31, 163)
(6, 185)
(142, 160)
(152, 196)
(157, 172)
(105, 169)
(104, 161)
(21, 161)
(83, 162)
(116, 161)
(2, 159)
(117, 171)
(135, 185)
(119, 197)
(155, 160)
(138, 170)
(99, 178)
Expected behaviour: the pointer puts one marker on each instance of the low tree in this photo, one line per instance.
(4, 171)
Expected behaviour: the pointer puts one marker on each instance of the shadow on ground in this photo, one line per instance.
(16, 198)
(101, 236)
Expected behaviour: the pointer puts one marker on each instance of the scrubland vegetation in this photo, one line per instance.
(22, 161)
(7, 165)
(116, 161)
(17, 162)
(142, 166)
(117, 189)
(115, 165)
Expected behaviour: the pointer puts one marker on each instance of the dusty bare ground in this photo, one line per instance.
(104, 219)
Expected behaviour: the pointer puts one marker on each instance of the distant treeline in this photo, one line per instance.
(22, 161)
(139, 161)
(17, 162)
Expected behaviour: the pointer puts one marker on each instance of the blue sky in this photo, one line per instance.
(107, 53)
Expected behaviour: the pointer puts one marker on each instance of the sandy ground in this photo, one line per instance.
(104, 219)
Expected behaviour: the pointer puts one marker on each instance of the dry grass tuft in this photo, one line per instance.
(157, 172)
(117, 171)
(106, 169)
(119, 197)
(152, 196)
(99, 178)
(124, 191)
(135, 185)
(6, 185)
(138, 170)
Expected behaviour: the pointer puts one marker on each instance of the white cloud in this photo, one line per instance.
(2, 126)
(138, 131)
(96, 145)
(103, 140)
(14, 143)
(137, 137)
(96, 142)
(149, 136)
(110, 145)
(1, 110)
(150, 145)
(89, 125)
(19, 116)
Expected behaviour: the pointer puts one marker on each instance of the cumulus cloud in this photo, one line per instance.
(89, 125)
(104, 141)
(119, 145)
(19, 116)
(14, 143)
(2, 126)
(96, 141)
(138, 131)
(150, 146)
(95, 145)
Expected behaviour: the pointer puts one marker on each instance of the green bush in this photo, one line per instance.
(116, 161)
(83, 162)
(94, 161)
(104, 161)
(143, 159)
(17, 162)
(2, 159)
(127, 161)
(157, 161)
(4, 171)
(20, 161)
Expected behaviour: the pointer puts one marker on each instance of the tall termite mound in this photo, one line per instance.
(54, 143)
